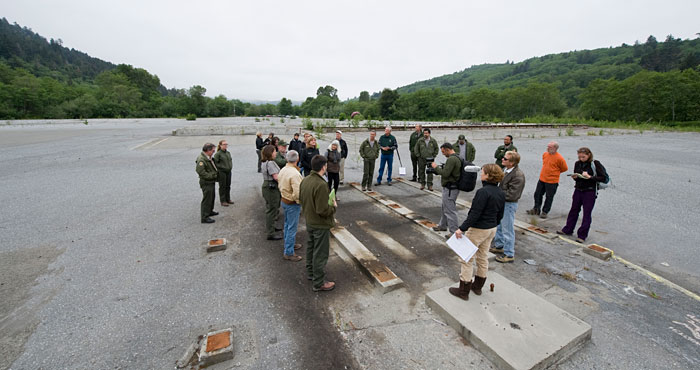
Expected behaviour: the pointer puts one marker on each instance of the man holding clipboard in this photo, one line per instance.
(480, 227)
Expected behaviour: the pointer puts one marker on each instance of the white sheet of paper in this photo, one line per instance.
(402, 171)
(464, 247)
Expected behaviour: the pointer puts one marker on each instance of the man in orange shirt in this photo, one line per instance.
(553, 165)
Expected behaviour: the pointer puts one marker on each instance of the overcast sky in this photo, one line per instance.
(267, 50)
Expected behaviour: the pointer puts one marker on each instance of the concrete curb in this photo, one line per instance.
(220, 349)
(380, 274)
(523, 226)
(405, 212)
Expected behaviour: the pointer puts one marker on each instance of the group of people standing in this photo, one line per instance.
(302, 189)
(212, 168)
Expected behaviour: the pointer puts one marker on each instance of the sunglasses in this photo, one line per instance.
(504, 159)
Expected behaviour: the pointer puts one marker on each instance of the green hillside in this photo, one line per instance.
(571, 72)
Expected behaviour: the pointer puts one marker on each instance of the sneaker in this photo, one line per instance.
(388, 184)
(580, 240)
(543, 215)
(422, 187)
(364, 188)
(342, 182)
(560, 232)
(377, 184)
(504, 259)
(438, 228)
(369, 189)
(496, 250)
(430, 188)
(533, 211)
(224, 204)
(297, 246)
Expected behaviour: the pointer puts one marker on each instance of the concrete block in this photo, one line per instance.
(511, 326)
(598, 251)
(216, 347)
(380, 274)
(215, 245)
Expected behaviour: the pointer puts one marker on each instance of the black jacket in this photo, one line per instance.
(306, 155)
(487, 208)
(295, 144)
(343, 148)
(589, 184)
(259, 143)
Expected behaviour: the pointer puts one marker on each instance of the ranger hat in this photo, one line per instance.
(282, 142)
(461, 137)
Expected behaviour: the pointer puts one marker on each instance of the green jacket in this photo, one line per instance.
(501, 151)
(280, 160)
(313, 196)
(387, 141)
(421, 150)
(414, 139)
(223, 161)
(449, 173)
(368, 152)
(205, 169)
(471, 150)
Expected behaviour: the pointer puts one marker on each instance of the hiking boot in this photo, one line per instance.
(422, 187)
(364, 188)
(413, 179)
(478, 284)
(293, 258)
(496, 250)
(504, 259)
(580, 240)
(224, 204)
(438, 228)
(543, 215)
(561, 232)
(463, 290)
(430, 188)
(533, 211)
(297, 246)
(328, 285)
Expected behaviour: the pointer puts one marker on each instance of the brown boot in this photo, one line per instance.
(463, 290)
(478, 284)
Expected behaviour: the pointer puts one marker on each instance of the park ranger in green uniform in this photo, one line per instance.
(501, 150)
(319, 212)
(281, 154)
(464, 149)
(207, 179)
(426, 147)
(415, 135)
(369, 151)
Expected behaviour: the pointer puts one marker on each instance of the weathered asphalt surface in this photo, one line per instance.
(102, 258)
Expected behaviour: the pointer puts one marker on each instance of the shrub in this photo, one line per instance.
(308, 123)
(191, 117)
(341, 117)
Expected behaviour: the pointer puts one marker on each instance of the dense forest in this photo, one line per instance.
(646, 82)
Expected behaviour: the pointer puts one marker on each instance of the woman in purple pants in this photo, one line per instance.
(585, 193)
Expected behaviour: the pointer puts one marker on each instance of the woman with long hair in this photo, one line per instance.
(224, 165)
(270, 191)
(587, 174)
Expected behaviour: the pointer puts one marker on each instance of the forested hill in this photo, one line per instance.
(22, 48)
(572, 71)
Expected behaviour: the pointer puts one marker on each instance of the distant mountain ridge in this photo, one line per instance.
(20, 47)
(571, 71)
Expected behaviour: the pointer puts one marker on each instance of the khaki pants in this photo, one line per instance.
(342, 169)
(482, 239)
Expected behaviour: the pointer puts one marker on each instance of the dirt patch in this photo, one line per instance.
(427, 223)
(19, 270)
(538, 230)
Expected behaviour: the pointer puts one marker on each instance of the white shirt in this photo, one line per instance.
(508, 170)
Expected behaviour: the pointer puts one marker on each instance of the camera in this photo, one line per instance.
(428, 165)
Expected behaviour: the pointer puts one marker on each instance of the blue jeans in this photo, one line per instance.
(387, 159)
(291, 219)
(505, 233)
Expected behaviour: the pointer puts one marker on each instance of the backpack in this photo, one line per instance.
(601, 184)
(467, 180)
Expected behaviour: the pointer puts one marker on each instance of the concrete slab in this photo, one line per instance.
(406, 212)
(380, 274)
(216, 347)
(511, 326)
